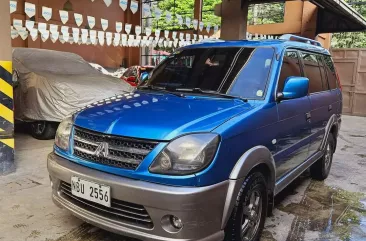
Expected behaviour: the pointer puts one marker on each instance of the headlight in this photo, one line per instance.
(62, 138)
(186, 155)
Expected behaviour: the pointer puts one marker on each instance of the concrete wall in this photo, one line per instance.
(108, 56)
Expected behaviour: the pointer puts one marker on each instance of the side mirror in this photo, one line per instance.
(144, 76)
(295, 87)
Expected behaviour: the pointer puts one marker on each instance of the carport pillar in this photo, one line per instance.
(6, 94)
(234, 16)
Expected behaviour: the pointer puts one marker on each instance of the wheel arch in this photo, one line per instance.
(258, 158)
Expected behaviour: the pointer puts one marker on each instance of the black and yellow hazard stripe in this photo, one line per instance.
(6, 117)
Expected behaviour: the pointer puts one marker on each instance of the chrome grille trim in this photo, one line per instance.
(120, 211)
(122, 152)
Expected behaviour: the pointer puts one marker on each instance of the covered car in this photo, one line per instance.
(51, 85)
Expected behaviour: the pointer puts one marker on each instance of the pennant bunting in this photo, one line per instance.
(13, 8)
(30, 9)
(108, 2)
(123, 4)
(128, 28)
(64, 15)
(134, 6)
(195, 24)
(119, 27)
(17, 23)
(104, 23)
(91, 22)
(53, 28)
(47, 13)
(201, 25)
(137, 30)
(146, 11)
(78, 19)
(168, 16)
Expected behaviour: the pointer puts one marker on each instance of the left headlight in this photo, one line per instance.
(186, 155)
(62, 138)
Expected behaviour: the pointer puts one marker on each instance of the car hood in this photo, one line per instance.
(157, 115)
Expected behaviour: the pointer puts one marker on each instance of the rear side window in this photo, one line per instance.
(290, 67)
(331, 73)
(312, 72)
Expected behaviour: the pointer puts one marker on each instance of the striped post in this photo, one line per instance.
(6, 119)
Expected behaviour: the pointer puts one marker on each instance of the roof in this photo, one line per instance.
(278, 44)
(338, 16)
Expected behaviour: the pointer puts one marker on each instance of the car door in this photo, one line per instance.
(293, 127)
(320, 97)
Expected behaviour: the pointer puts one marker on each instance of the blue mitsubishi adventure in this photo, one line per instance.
(199, 150)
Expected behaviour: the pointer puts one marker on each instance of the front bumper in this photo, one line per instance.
(199, 208)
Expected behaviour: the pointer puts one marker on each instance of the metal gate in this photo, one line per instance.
(351, 68)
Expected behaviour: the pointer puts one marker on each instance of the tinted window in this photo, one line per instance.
(331, 73)
(235, 71)
(322, 72)
(290, 67)
(312, 71)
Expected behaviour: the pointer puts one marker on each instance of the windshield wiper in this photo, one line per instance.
(211, 92)
(161, 89)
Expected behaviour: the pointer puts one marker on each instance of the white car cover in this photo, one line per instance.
(53, 84)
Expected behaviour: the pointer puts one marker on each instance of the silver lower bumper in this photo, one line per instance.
(199, 208)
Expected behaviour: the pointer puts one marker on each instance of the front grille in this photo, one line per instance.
(119, 211)
(110, 150)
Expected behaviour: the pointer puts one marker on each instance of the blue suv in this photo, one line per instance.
(199, 150)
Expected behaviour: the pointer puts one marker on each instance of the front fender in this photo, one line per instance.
(249, 160)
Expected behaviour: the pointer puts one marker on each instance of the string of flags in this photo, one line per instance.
(30, 11)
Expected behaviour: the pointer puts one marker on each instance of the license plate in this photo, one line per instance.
(91, 191)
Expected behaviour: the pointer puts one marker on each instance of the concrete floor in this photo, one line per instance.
(307, 210)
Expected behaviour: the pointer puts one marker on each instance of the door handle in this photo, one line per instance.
(330, 107)
(308, 116)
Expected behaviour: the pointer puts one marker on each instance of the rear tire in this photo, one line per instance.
(321, 168)
(247, 219)
(43, 130)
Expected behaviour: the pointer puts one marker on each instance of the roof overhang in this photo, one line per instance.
(337, 16)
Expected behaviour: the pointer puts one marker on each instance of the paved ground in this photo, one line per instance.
(307, 210)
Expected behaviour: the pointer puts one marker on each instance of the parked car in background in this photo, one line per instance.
(133, 73)
(50, 85)
(200, 149)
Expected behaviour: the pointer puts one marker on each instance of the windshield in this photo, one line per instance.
(234, 71)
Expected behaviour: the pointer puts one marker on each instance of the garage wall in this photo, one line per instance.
(351, 68)
(108, 56)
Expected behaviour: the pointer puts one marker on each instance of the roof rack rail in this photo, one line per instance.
(211, 40)
(296, 38)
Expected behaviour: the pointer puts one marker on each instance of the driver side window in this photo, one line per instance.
(290, 67)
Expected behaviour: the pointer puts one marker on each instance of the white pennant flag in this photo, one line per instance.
(93, 36)
(134, 6)
(128, 28)
(201, 25)
(168, 16)
(17, 23)
(174, 34)
(124, 39)
(216, 28)
(34, 34)
(170, 44)
(188, 36)
(195, 24)
(148, 31)
(146, 12)
(91, 22)
(181, 36)
(175, 42)
(42, 27)
(137, 30)
(123, 4)
(23, 33)
(117, 39)
(61, 39)
(53, 28)
(108, 2)
(101, 37)
(65, 36)
(47, 13)
(119, 27)
(208, 27)
(13, 7)
(29, 24)
(30, 9)
(75, 34)
(108, 37)
(64, 15)
(165, 43)
(157, 12)
(188, 22)
(180, 19)
(78, 19)
(166, 34)
(14, 33)
(194, 36)
(104, 23)
(45, 35)
(54, 36)
(64, 29)
(157, 33)
(84, 36)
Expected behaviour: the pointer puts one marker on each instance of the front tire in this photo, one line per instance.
(43, 130)
(247, 219)
(321, 168)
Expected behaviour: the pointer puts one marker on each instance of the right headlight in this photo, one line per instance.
(62, 138)
(186, 155)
